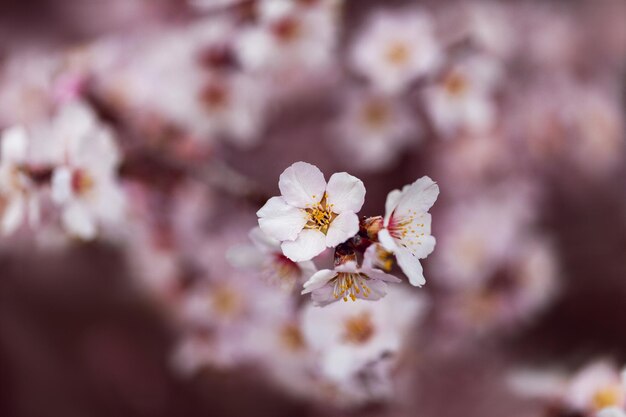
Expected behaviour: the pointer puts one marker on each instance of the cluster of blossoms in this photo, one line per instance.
(311, 215)
(70, 164)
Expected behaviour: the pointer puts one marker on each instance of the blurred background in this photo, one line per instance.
(191, 109)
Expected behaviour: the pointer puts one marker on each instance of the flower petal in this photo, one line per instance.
(411, 267)
(318, 280)
(302, 185)
(418, 197)
(342, 228)
(62, 185)
(14, 145)
(307, 245)
(263, 242)
(78, 221)
(426, 246)
(392, 201)
(345, 192)
(387, 241)
(281, 221)
(379, 275)
(13, 215)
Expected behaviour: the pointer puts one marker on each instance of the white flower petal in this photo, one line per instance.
(307, 245)
(387, 241)
(342, 228)
(318, 280)
(411, 267)
(61, 185)
(425, 246)
(323, 296)
(419, 197)
(345, 192)
(302, 185)
(380, 275)
(392, 201)
(263, 242)
(13, 215)
(78, 221)
(14, 144)
(245, 257)
(281, 221)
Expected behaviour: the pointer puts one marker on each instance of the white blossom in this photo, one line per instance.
(407, 223)
(348, 281)
(85, 184)
(310, 214)
(395, 49)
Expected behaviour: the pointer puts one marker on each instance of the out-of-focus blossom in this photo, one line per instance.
(348, 281)
(19, 201)
(373, 130)
(311, 215)
(290, 38)
(266, 258)
(612, 412)
(396, 48)
(406, 231)
(479, 235)
(462, 101)
(350, 338)
(85, 184)
(597, 389)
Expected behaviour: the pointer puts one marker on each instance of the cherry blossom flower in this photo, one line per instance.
(396, 48)
(463, 99)
(612, 412)
(290, 38)
(310, 214)
(85, 184)
(406, 231)
(18, 196)
(374, 130)
(348, 281)
(266, 257)
(350, 338)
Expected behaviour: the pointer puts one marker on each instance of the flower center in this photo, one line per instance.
(292, 338)
(455, 84)
(384, 258)
(214, 96)
(610, 396)
(287, 29)
(398, 53)
(82, 182)
(358, 329)
(320, 216)
(406, 229)
(350, 284)
(226, 301)
(375, 114)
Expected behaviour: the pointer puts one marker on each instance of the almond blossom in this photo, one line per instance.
(374, 129)
(266, 257)
(395, 49)
(463, 100)
(406, 232)
(311, 214)
(348, 281)
(85, 183)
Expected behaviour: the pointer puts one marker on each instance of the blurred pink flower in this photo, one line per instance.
(395, 48)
